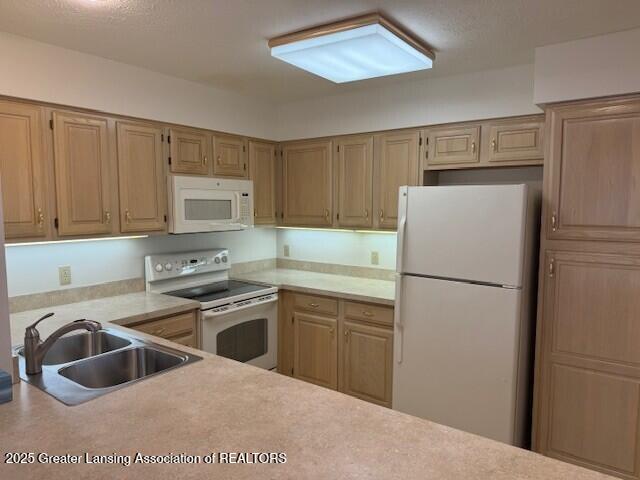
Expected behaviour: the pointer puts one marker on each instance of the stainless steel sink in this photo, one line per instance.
(78, 368)
(74, 347)
(120, 367)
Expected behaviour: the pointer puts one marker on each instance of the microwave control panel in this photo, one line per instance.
(245, 208)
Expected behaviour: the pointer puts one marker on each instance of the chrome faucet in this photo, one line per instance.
(35, 350)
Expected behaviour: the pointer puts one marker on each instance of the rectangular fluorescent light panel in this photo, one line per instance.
(356, 54)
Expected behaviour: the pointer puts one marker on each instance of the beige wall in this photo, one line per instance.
(492, 93)
(39, 71)
(592, 67)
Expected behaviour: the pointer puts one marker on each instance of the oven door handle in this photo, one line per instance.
(210, 314)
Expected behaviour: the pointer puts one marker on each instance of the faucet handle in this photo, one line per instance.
(30, 328)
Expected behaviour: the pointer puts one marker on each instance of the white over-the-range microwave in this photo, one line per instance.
(205, 204)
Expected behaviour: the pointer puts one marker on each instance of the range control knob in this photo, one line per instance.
(168, 267)
(224, 259)
(159, 267)
(217, 260)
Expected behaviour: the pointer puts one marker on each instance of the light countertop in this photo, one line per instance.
(218, 405)
(352, 288)
(120, 310)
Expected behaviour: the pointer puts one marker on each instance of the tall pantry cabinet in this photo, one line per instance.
(587, 389)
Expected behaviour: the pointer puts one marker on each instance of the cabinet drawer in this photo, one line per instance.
(368, 313)
(187, 340)
(312, 303)
(176, 326)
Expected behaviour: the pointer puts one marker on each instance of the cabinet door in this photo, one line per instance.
(594, 172)
(520, 142)
(262, 170)
(22, 169)
(189, 151)
(367, 362)
(141, 177)
(83, 174)
(397, 165)
(453, 146)
(315, 349)
(588, 385)
(307, 179)
(231, 156)
(355, 181)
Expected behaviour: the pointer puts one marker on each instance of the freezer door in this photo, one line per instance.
(455, 356)
(464, 232)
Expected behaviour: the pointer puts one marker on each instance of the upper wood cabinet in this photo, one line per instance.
(141, 177)
(190, 151)
(397, 159)
(588, 361)
(453, 145)
(593, 183)
(366, 366)
(230, 156)
(355, 181)
(22, 168)
(84, 176)
(262, 170)
(315, 347)
(307, 183)
(509, 142)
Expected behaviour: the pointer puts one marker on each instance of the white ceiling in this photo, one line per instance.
(224, 42)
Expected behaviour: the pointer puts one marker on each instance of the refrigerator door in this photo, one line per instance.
(473, 233)
(456, 351)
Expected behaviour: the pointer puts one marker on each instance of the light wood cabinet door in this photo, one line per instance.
(22, 168)
(307, 184)
(189, 151)
(453, 146)
(262, 170)
(397, 165)
(594, 172)
(588, 382)
(367, 362)
(355, 181)
(515, 141)
(83, 174)
(315, 349)
(231, 156)
(141, 177)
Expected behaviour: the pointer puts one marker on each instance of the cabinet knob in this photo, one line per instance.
(219, 160)
(347, 333)
(159, 331)
(367, 313)
(552, 268)
(127, 216)
(40, 217)
(314, 305)
(366, 213)
(107, 217)
(494, 145)
(473, 147)
(381, 215)
(205, 160)
(332, 330)
(326, 213)
(554, 221)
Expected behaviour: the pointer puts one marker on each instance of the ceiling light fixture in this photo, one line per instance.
(355, 49)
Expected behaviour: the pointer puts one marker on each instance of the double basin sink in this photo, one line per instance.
(83, 366)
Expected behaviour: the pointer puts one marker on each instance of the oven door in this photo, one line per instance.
(248, 333)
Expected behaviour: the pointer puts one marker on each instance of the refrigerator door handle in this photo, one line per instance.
(397, 319)
(402, 226)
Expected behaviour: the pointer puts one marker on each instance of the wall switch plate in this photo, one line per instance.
(375, 258)
(64, 273)
(286, 250)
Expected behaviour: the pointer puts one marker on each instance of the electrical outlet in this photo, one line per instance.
(375, 258)
(286, 250)
(65, 275)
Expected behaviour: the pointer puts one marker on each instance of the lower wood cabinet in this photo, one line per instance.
(588, 362)
(181, 328)
(366, 362)
(315, 348)
(338, 344)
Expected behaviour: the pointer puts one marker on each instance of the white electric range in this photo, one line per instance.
(239, 319)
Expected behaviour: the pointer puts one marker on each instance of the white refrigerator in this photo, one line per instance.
(464, 308)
